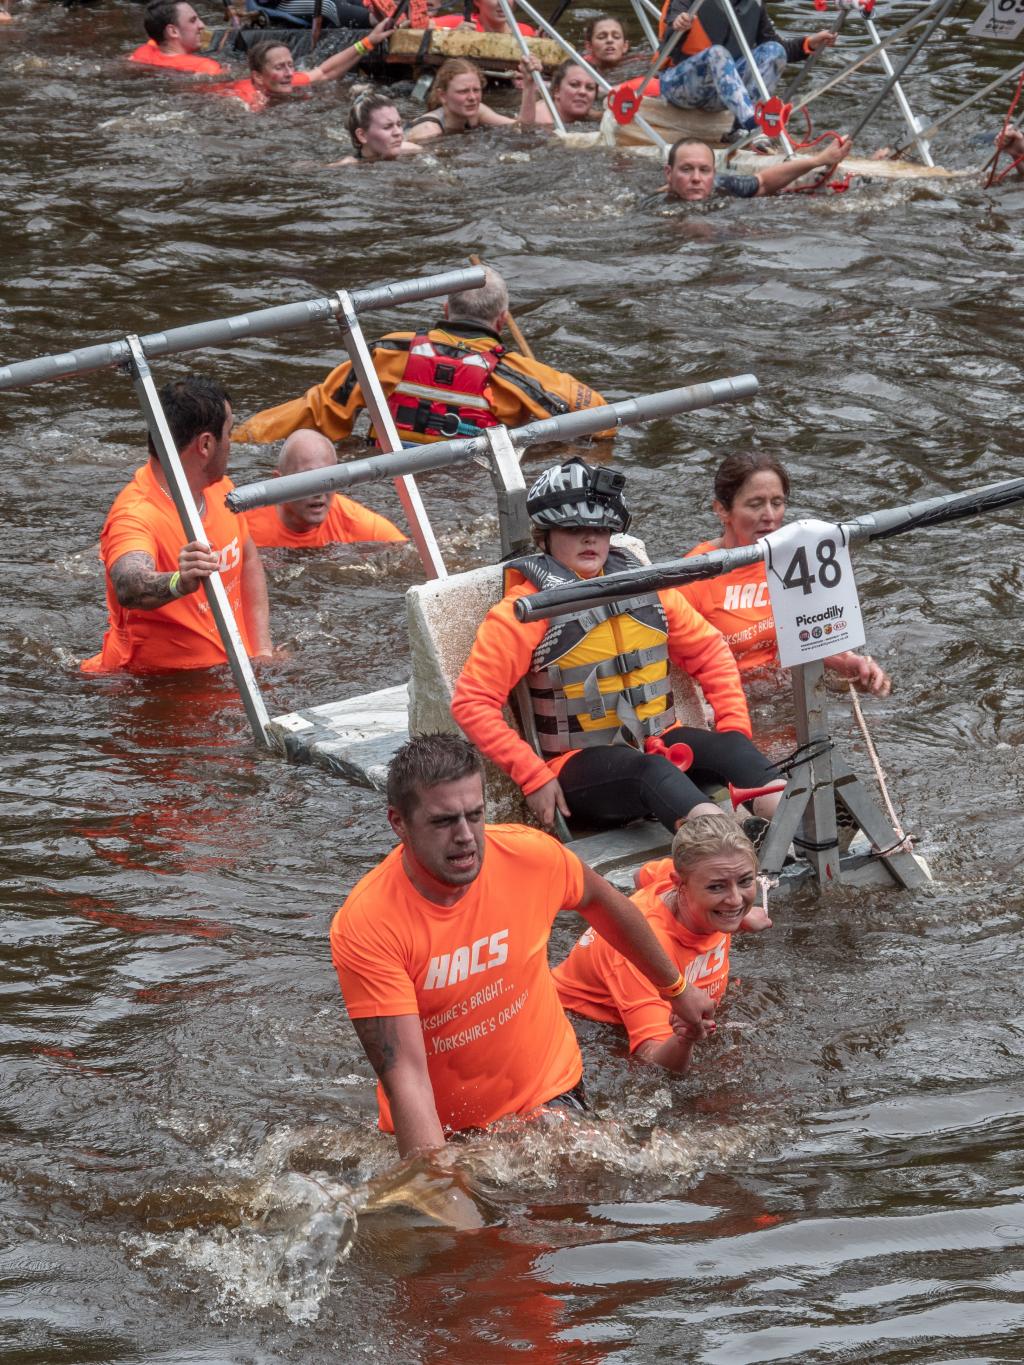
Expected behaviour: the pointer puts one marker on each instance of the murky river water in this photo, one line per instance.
(189, 1149)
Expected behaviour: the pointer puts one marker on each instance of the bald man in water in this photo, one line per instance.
(321, 518)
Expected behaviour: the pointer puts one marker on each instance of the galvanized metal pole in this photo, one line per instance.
(808, 66)
(223, 331)
(818, 840)
(645, 24)
(909, 117)
(387, 435)
(933, 127)
(893, 80)
(181, 494)
(535, 76)
(444, 454)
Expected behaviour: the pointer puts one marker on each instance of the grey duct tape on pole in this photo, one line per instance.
(881, 525)
(223, 331)
(535, 76)
(602, 81)
(445, 454)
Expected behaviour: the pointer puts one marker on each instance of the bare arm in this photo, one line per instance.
(394, 1048)
(345, 60)
(776, 178)
(618, 921)
(489, 118)
(254, 600)
(138, 586)
(674, 1054)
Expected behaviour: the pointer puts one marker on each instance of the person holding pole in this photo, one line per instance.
(751, 492)
(159, 621)
(597, 682)
(572, 92)
(442, 956)
(708, 70)
(452, 380)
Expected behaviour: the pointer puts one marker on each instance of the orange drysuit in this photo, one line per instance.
(519, 390)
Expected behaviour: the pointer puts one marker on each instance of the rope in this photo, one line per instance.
(904, 843)
(992, 179)
(766, 884)
(825, 178)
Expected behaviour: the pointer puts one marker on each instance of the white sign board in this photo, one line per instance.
(1002, 19)
(812, 591)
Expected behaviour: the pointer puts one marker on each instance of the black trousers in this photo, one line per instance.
(615, 783)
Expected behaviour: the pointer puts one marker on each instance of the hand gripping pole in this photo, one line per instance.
(446, 454)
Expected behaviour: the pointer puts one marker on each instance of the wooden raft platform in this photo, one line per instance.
(494, 51)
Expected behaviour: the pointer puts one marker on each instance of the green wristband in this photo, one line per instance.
(174, 585)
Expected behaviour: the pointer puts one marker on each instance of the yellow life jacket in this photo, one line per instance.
(599, 676)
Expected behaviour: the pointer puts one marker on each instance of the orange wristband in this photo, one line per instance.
(807, 49)
(675, 990)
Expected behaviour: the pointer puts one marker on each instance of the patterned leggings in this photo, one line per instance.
(713, 80)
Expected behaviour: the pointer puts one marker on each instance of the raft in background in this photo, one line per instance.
(406, 52)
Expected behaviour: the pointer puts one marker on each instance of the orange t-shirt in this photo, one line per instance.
(149, 54)
(496, 1038)
(249, 92)
(502, 653)
(182, 634)
(737, 604)
(598, 982)
(347, 521)
(456, 21)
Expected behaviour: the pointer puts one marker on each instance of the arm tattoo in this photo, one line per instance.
(379, 1037)
(137, 584)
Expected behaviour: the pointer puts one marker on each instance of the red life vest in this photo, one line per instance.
(443, 388)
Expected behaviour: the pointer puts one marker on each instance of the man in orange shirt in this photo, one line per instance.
(449, 381)
(323, 518)
(159, 621)
(175, 35)
(441, 952)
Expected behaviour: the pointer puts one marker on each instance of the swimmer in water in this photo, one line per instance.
(375, 127)
(274, 77)
(174, 33)
(694, 901)
(690, 173)
(455, 104)
(573, 92)
(606, 45)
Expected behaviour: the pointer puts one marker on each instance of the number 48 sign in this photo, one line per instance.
(812, 591)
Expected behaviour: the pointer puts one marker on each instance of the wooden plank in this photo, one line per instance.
(498, 50)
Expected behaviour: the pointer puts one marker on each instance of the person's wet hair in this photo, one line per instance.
(260, 52)
(560, 72)
(736, 469)
(159, 15)
(426, 761)
(591, 28)
(360, 116)
(670, 160)
(709, 836)
(446, 73)
(193, 406)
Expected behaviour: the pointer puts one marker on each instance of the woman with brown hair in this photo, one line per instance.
(751, 492)
(455, 104)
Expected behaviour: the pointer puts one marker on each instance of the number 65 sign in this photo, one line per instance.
(812, 591)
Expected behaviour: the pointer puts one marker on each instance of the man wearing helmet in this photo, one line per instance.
(598, 680)
(451, 381)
